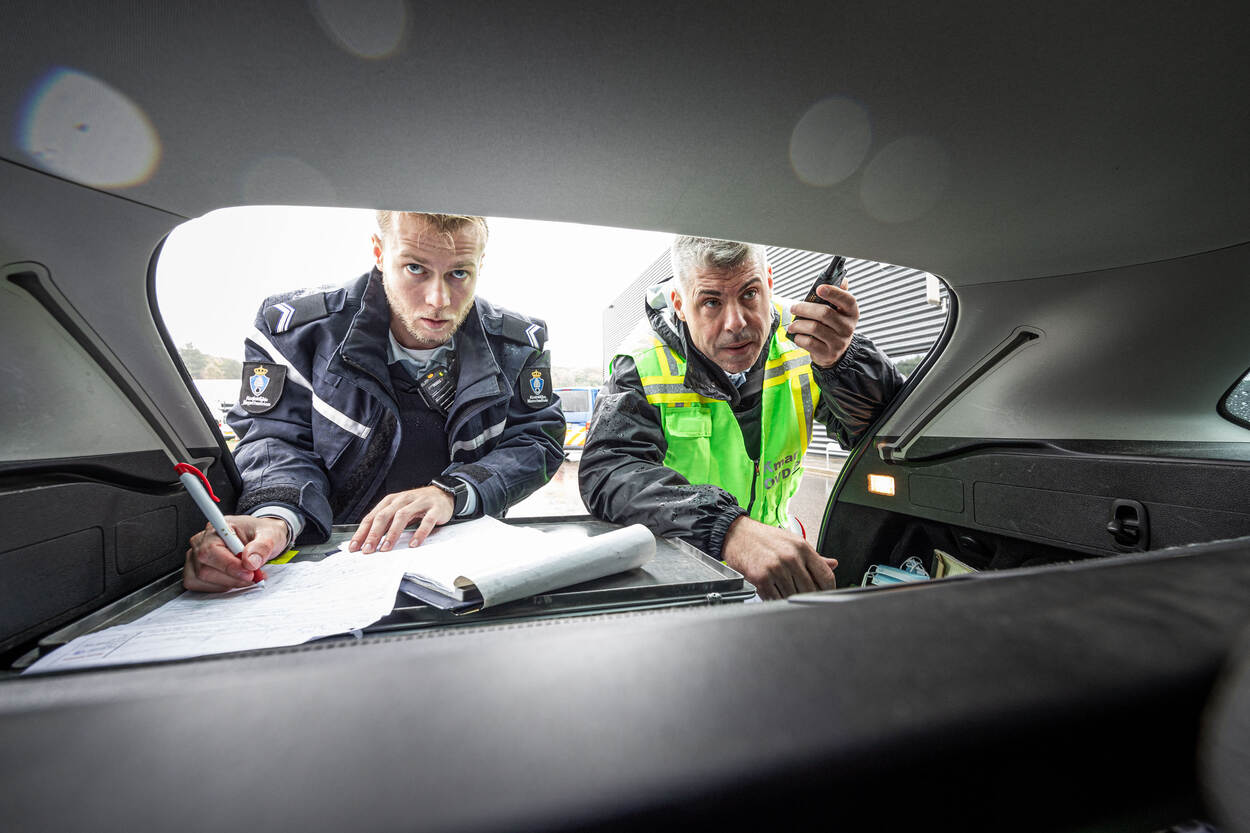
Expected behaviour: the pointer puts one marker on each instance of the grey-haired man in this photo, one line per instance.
(700, 431)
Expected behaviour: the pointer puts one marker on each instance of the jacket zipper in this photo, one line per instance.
(754, 477)
(755, 474)
(396, 440)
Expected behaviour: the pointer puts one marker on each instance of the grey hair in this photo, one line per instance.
(690, 253)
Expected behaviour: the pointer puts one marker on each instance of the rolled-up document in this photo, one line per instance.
(479, 574)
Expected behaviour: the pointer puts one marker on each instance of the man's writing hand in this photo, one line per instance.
(211, 567)
(825, 331)
(381, 527)
(778, 562)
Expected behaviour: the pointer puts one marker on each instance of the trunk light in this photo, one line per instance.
(881, 484)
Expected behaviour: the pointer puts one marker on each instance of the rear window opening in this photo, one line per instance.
(586, 282)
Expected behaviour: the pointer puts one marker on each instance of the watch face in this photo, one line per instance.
(454, 486)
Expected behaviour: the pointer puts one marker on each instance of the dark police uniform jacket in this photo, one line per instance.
(318, 423)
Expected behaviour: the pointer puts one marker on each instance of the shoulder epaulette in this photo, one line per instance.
(291, 312)
(523, 330)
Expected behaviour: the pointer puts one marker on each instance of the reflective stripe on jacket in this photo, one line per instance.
(326, 444)
(704, 439)
(624, 476)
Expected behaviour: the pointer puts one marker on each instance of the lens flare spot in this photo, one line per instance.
(286, 180)
(77, 126)
(366, 28)
(830, 141)
(905, 179)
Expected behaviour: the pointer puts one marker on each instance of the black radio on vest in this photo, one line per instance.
(438, 385)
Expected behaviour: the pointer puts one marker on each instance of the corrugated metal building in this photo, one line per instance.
(901, 310)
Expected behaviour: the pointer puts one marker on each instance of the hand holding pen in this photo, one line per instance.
(230, 551)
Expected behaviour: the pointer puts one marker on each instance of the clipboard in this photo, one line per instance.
(679, 575)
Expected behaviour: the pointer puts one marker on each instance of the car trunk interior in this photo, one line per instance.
(90, 506)
(1025, 451)
(1135, 440)
(1074, 173)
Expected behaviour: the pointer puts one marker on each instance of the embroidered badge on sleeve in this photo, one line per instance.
(262, 386)
(537, 388)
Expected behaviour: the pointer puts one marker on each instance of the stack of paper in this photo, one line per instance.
(297, 602)
(471, 566)
(463, 566)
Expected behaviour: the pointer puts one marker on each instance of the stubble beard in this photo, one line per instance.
(748, 334)
(424, 342)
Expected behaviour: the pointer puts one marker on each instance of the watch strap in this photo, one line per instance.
(457, 488)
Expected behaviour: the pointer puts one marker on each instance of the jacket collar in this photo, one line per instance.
(366, 348)
(480, 373)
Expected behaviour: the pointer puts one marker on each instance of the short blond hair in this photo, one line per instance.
(442, 223)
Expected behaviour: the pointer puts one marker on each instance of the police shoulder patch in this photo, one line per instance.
(291, 312)
(262, 386)
(535, 385)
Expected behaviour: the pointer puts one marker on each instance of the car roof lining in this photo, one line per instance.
(1137, 354)
(1054, 157)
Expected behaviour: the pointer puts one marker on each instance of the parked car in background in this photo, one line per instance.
(219, 414)
(219, 396)
(579, 405)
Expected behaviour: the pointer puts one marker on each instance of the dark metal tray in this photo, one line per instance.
(679, 575)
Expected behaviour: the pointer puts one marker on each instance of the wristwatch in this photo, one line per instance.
(457, 488)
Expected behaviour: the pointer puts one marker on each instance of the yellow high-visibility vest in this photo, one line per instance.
(705, 442)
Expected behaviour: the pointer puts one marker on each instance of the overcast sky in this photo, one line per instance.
(214, 271)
